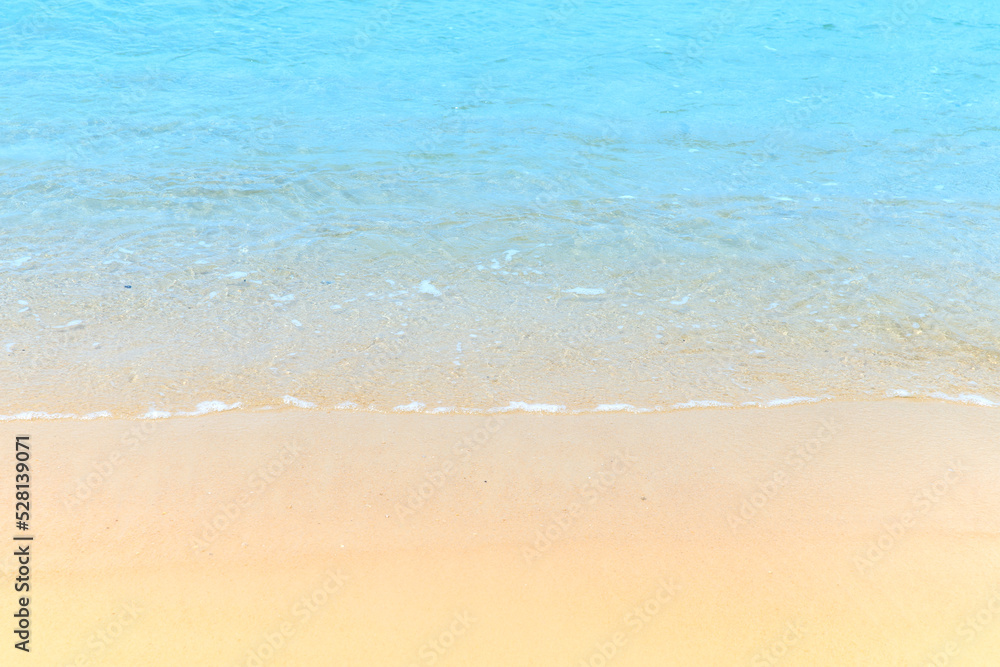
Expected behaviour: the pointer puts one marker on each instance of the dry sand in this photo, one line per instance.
(822, 534)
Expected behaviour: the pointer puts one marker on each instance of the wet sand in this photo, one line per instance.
(821, 534)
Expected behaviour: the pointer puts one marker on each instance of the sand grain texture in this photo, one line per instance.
(823, 534)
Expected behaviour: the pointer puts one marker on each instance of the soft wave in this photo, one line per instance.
(207, 407)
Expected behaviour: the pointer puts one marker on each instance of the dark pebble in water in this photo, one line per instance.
(128, 287)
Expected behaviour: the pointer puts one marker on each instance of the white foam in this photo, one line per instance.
(585, 291)
(21, 260)
(287, 297)
(206, 407)
(210, 406)
(971, 399)
(297, 402)
(69, 325)
(530, 407)
(796, 399)
(507, 254)
(27, 416)
(681, 302)
(619, 407)
(701, 404)
(427, 287)
(235, 275)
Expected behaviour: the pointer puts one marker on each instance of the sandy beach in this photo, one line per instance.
(481, 334)
(821, 534)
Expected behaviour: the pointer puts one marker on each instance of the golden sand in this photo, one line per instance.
(822, 534)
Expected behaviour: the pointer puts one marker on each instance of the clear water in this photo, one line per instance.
(472, 205)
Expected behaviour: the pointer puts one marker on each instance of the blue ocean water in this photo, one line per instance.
(475, 205)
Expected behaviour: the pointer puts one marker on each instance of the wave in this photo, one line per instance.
(418, 407)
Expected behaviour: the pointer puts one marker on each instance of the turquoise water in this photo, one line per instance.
(476, 205)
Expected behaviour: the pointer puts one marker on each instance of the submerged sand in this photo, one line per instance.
(822, 534)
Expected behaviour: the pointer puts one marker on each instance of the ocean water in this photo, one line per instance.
(578, 205)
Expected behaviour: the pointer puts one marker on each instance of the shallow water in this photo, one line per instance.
(477, 205)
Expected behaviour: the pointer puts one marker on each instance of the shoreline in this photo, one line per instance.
(291, 403)
(827, 532)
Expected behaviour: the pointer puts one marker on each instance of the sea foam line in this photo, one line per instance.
(418, 407)
(32, 415)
